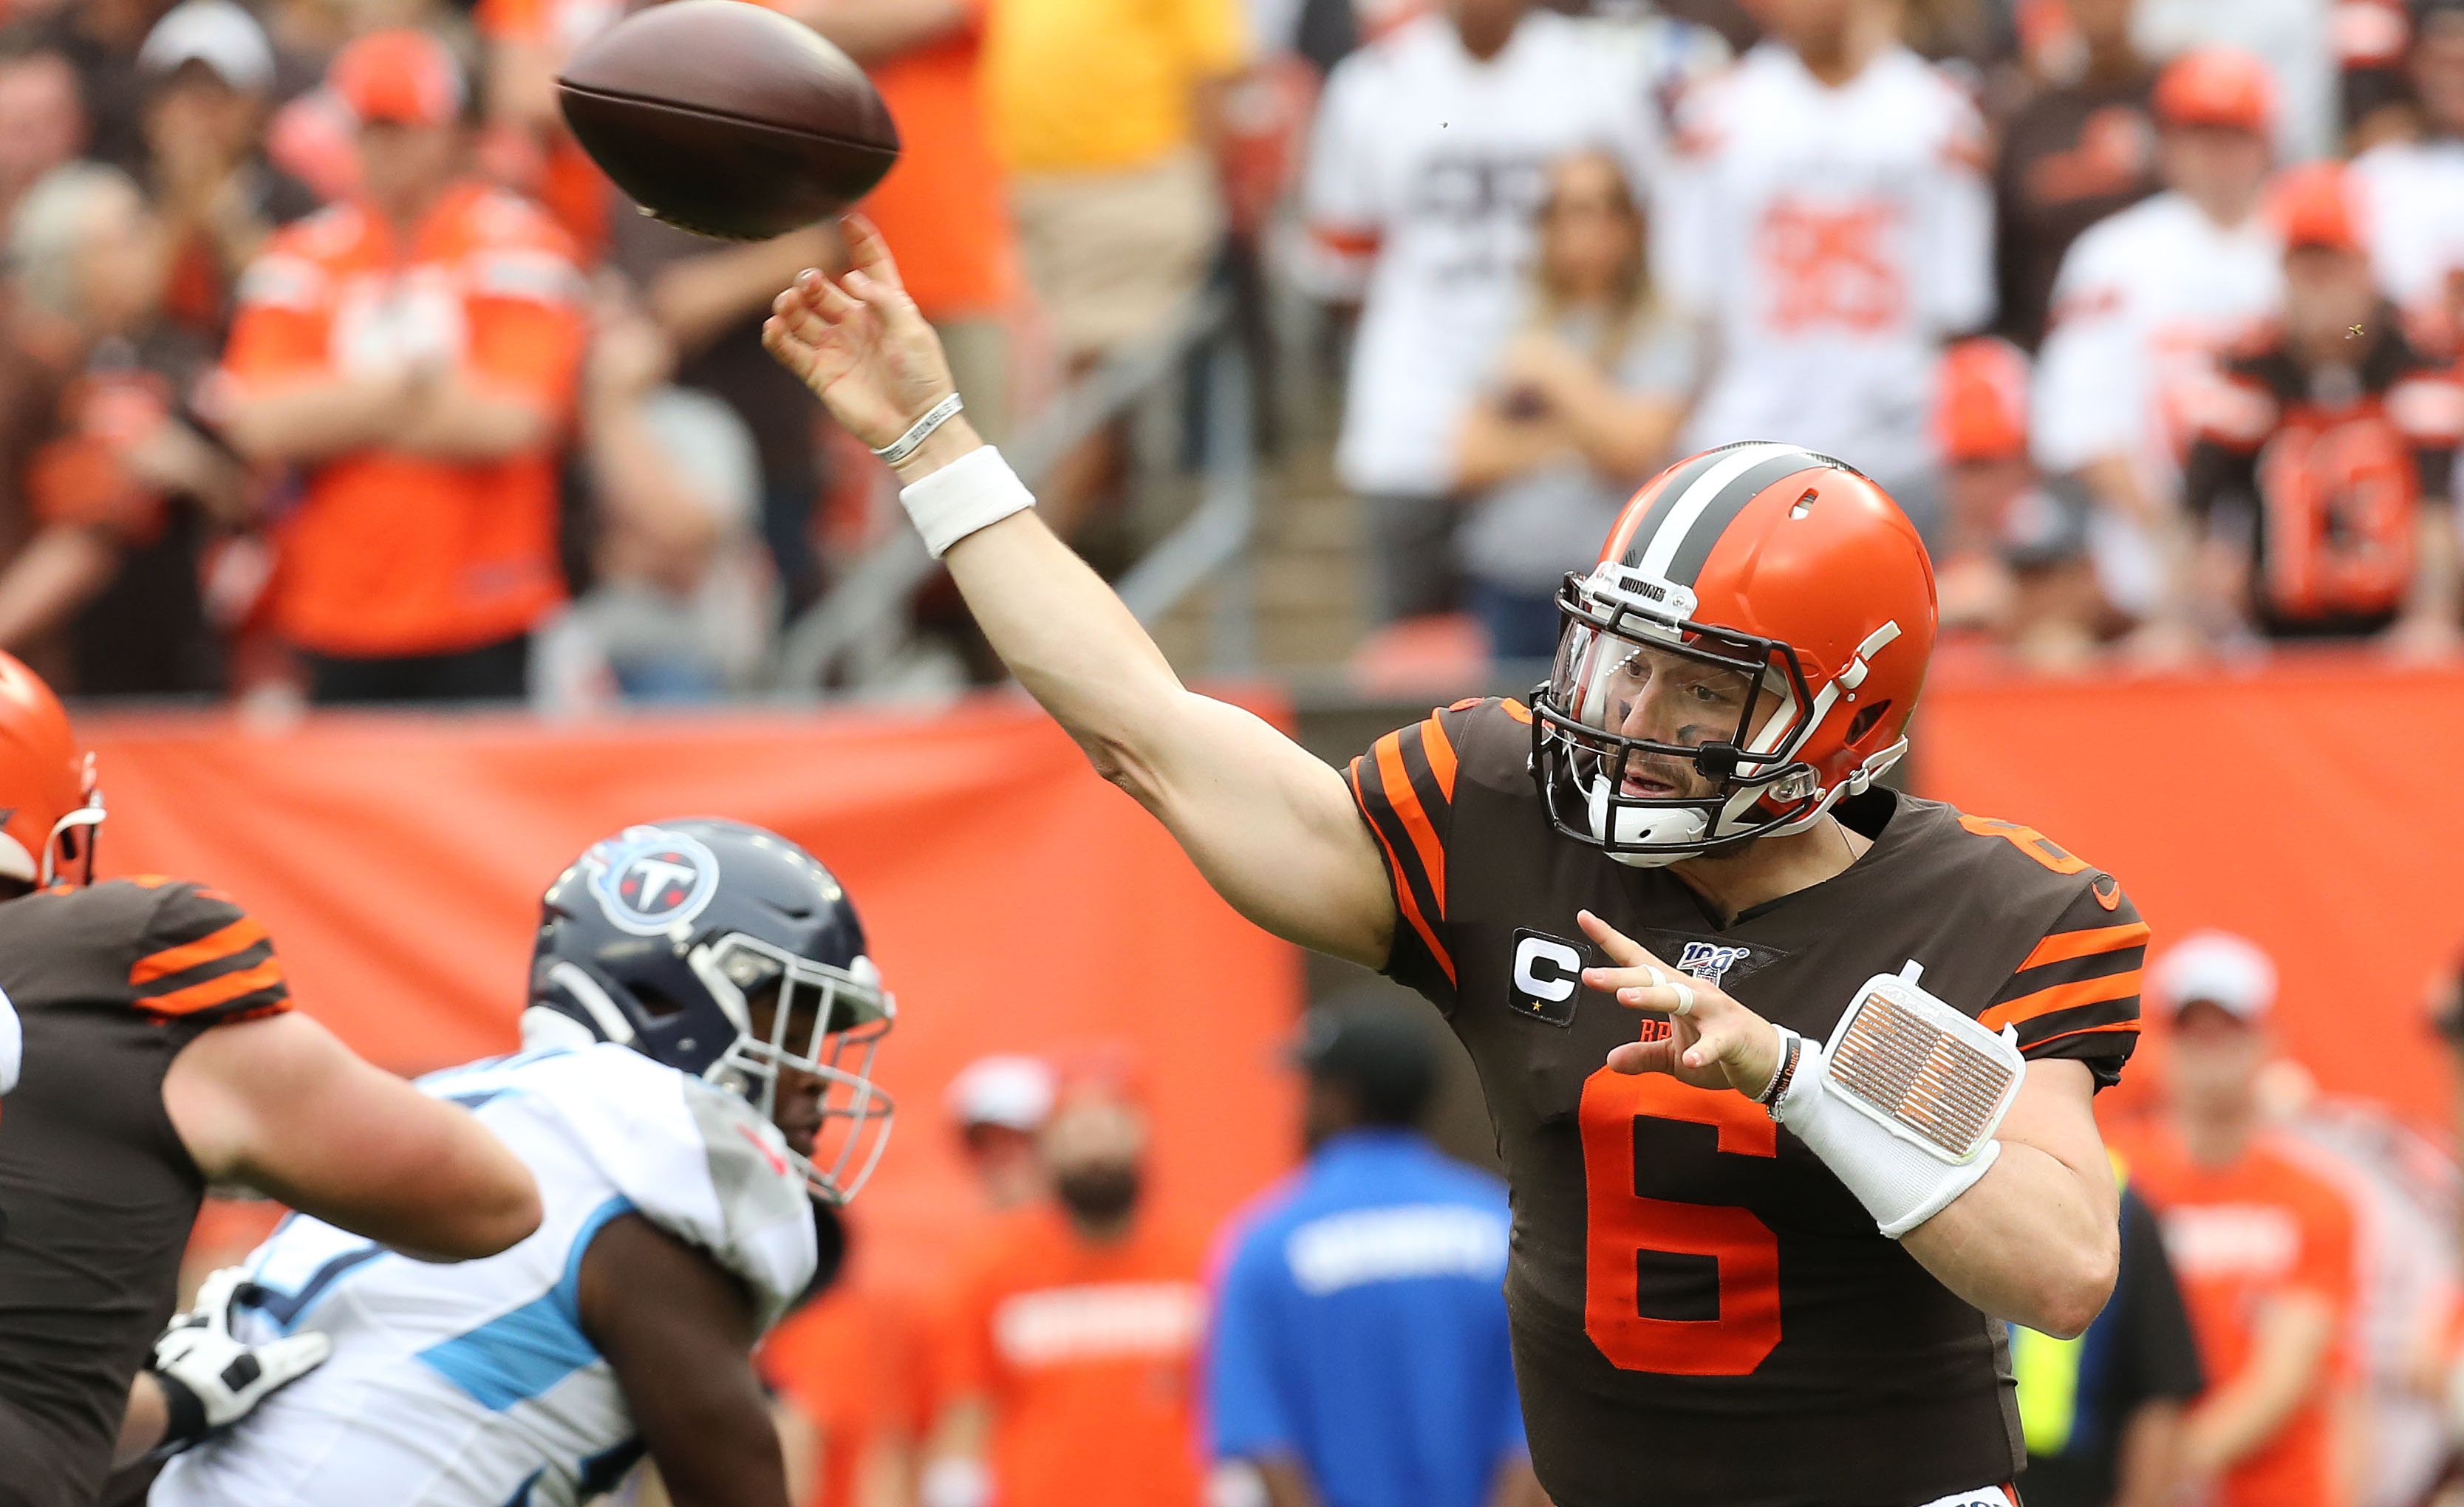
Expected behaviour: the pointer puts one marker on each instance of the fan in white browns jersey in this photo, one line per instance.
(1828, 220)
(2145, 302)
(1427, 166)
(695, 1092)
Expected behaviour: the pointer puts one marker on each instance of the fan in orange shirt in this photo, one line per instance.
(2263, 1245)
(1068, 1358)
(411, 354)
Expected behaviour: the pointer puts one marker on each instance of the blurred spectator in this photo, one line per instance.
(1120, 209)
(2289, 37)
(1581, 411)
(942, 208)
(1427, 174)
(2015, 562)
(682, 605)
(209, 75)
(2078, 149)
(1070, 1362)
(1359, 1356)
(2322, 471)
(2143, 302)
(41, 123)
(411, 354)
(707, 296)
(1829, 224)
(999, 1105)
(2414, 188)
(101, 39)
(2263, 1246)
(2104, 1412)
(129, 486)
(2372, 40)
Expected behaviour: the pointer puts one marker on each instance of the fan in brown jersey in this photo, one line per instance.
(2326, 451)
(1704, 1310)
(159, 1053)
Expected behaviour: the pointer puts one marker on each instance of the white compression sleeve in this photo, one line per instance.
(975, 491)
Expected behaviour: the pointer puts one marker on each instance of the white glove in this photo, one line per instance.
(211, 1378)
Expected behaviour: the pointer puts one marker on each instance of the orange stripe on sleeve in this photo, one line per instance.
(2063, 946)
(1517, 711)
(2062, 996)
(2059, 1035)
(1403, 900)
(228, 942)
(213, 991)
(1406, 800)
(1442, 755)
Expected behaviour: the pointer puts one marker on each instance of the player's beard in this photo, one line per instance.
(1099, 1192)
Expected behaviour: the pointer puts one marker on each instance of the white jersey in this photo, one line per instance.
(1829, 239)
(2412, 201)
(2143, 305)
(472, 1383)
(1426, 169)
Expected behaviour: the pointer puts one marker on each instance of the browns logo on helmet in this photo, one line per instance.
(1745, 652)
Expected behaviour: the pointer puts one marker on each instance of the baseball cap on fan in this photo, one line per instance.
(2217, 86)
(1014, 1093)
(2215, 968)
(217, 34)
(2312, 207)
(399, 76)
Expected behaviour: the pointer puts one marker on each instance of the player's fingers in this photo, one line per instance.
(1619, 947)
(785, 348)
(1642, 1056)
(868, 253)
(798, 317)
(823, 295)
(887, 298)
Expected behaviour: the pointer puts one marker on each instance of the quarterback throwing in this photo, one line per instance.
(1854, 1129)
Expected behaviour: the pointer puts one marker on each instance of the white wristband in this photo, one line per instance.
(1900, 1184)
(974, 491)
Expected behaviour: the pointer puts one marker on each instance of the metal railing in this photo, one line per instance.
(855, 638)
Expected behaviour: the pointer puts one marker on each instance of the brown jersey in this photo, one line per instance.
(110, 982)
(1702, 1313)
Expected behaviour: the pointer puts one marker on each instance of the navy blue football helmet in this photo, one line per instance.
(728, 953)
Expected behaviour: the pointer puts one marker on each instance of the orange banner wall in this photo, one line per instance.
(1014, 901)
(2317, 808)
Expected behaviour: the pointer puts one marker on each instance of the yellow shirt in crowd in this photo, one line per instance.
(1077, 86)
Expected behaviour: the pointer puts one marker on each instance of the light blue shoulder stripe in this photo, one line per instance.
(520, 1354)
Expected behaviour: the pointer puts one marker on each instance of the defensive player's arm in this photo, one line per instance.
(1272, 827)
(280, 1104)
(679, 1333)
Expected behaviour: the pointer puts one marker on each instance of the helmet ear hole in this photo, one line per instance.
(655, 1003)
(1865, 721)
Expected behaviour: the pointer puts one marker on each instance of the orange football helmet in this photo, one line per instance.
(1747, 652)
(49, 806)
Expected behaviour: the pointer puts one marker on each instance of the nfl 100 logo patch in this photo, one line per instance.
(1710, 961)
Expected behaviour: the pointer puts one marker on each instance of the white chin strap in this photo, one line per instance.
(1662, 827)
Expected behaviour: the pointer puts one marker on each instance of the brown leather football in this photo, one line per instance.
(728, 119)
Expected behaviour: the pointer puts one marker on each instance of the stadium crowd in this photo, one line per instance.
(336, 369)
(335, 372)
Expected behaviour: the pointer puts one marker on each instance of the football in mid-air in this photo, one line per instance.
(728, 119)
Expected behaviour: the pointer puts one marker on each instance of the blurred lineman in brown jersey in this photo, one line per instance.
(160, 1054)
(1683, 822)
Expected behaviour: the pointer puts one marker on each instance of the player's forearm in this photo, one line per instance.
(143, 1423)
(874, 31)
(2030, 1243)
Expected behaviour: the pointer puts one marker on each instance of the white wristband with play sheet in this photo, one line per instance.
(974, 491)
(1902, 1101)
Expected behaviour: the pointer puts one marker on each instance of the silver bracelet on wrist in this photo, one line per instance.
(908, 443)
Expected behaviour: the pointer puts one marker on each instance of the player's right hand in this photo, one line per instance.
(859, 343)
(1714, 1042)
(211, 1378)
